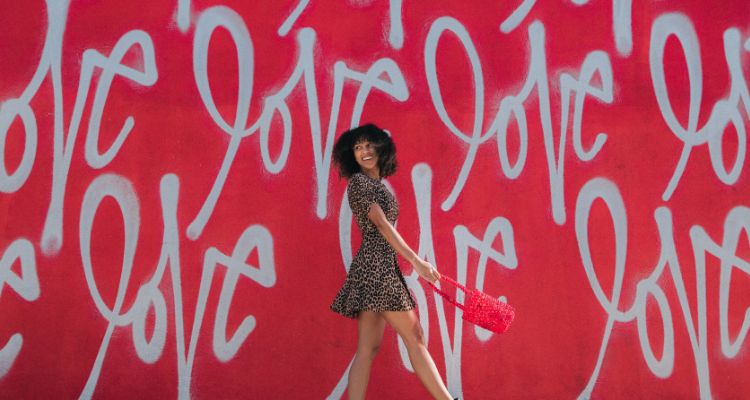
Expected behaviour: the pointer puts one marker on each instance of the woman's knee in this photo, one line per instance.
(369, 350)
(414, 335)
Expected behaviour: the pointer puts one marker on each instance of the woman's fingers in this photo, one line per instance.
(429, 272)
(433, 275)
(428, 275)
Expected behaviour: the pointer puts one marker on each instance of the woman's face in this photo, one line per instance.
(366, 155)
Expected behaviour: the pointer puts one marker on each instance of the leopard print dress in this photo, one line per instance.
(374, 281)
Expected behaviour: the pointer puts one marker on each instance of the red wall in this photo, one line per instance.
(172, 225)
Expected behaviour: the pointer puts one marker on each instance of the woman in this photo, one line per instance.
(374, 291)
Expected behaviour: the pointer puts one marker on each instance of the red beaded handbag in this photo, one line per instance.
(479, 308)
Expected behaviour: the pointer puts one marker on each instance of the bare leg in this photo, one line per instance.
(407, 326)
(370, 326)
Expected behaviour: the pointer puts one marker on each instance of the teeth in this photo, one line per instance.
(367, 158)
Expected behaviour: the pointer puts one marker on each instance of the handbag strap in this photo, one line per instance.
(446, 296)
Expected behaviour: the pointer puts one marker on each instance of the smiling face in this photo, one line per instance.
(365, 149)
(366, 155)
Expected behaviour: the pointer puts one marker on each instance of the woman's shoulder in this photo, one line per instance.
(359, 182)
(357, 178)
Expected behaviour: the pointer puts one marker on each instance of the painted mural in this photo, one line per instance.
(171, 225)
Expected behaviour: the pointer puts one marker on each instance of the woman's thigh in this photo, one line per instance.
(370, 326)
(406, 324)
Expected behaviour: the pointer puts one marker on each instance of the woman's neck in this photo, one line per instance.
(374, 174)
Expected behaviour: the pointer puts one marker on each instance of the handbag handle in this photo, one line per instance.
(448, 297)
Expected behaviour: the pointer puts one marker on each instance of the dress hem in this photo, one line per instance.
(379, 310)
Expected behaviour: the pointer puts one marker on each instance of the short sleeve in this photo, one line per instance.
(361, 193)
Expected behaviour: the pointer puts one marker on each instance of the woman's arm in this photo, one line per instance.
(391, 235)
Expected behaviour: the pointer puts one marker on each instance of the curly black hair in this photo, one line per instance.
(343, 150)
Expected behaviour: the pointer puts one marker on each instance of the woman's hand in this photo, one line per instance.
(426, 270)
